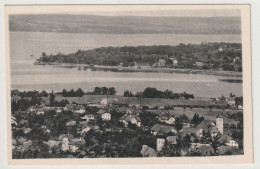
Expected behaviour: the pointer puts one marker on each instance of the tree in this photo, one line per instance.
(64, 92)
(126, 93)
(111, 91)
(97, 90)
(178, 123)
(197, 119)
(52, 98)
(79, 92)
(104, 90)
(44, 94)
(169, 150)
(212, 139)
(35, 101)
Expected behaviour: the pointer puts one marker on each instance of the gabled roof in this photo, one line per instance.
(69, 136)
(172, 139)
(78, 107)
(225, 138)
(102, 111)
(148, 151)
(71, 123)
(205, 124)
(213, 130)
(162, 128)
(129, 117)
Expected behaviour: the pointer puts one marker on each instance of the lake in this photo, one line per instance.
(26, 76)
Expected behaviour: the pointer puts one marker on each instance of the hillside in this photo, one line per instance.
(124, 24)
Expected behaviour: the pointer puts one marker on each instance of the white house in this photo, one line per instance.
(232, 143)
(168, 120)
(85, 130)
(231, 101)
(133, 119)
(104, 115)
(79, 109)
(104, 101)
(88, 117)
(40, 112)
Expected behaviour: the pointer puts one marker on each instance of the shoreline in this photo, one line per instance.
(148, 69)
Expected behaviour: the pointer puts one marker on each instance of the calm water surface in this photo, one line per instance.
(26, 76)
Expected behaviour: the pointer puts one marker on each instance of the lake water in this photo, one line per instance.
(26, 76)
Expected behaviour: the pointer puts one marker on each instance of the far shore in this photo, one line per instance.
(150, 69)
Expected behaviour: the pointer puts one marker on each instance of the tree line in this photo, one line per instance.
(187, 56)
(150, 92)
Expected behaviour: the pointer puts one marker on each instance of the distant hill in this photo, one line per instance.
(124, 24)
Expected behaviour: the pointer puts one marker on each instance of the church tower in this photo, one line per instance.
(219, 123)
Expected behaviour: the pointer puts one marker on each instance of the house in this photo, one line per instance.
(163, 128)
(52, 143)
(79, 109)
(186, 123)
(69, 107)
(214, 131)
(220, 49)
(203, 125)
(204, 149)
(161, 63)
(198, 145)
(24, 122)
(222, 150)
(26, 130)
(131, 118)
(26, 145)
(40, 112)
(88, 117)
(174, 61)
(105, 115)
(71, 123)
(104, 101)
(199, 64)
(229, 141)
(231, 101)
(85, 130)
(35, 108)
(148, 151)
(16, 98)
(166, 117)
(172, 139)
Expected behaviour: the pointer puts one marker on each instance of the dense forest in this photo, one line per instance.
(226, 56)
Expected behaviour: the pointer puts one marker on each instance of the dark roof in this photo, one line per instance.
(213, 130)
(219, 116)
(101, 111)
(162, 128)
(129, 117)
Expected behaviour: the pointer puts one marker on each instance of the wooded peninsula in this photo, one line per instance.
(208, 56)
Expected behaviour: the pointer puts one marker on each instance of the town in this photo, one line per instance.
(101, 124)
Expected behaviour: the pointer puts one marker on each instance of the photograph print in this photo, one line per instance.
(138, 82)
